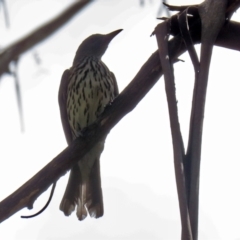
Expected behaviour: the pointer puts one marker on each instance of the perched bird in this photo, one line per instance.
(85, 89)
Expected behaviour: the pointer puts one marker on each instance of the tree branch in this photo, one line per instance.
(145, 79)
(212, 15)
(162, 35)
(13, 51)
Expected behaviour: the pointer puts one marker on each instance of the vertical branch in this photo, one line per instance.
(212, 14)
(18, 93)
(162, 33)
(5, 12)
(185, 33)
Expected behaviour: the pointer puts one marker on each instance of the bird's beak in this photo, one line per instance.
(111, 35)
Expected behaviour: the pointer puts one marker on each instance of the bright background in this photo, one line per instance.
(137, 169)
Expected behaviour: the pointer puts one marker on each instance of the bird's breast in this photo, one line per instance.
(90, 89)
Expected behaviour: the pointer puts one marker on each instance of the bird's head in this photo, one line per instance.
(94, 46)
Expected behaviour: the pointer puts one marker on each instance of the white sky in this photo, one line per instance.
(137, 169)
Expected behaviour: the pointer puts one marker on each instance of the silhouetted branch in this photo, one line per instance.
(145, 79)
(5, 12)
(163, 9)
(14, 72)
(162, 34)
(213, 16)
(13, 51)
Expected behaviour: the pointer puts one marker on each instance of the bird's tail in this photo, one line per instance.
(84, 188)
(91, 195)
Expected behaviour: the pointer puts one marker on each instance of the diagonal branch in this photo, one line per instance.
(162, 35)
(145, 79)
(13, 51)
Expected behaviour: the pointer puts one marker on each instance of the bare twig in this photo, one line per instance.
(5, 12)
(162, 34)
(13, 51)
(46, 205)
(184, 29)
(14, 72)
(162, 9)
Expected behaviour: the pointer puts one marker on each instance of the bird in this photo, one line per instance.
(85, 90)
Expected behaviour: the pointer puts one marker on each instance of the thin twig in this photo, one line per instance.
(18, 93)
(162, 34)
(6, 15)
(13, 51)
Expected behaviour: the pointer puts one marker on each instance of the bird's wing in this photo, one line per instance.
(116, 92)
(62, 101)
